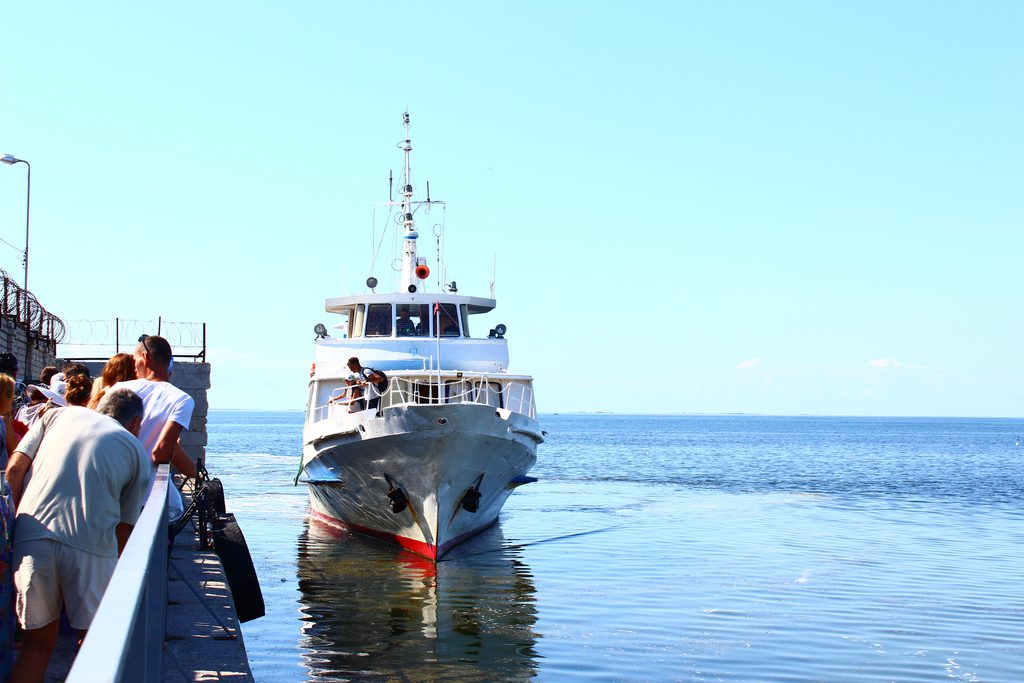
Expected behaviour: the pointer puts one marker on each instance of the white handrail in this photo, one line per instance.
(515, 396)
(125, 640)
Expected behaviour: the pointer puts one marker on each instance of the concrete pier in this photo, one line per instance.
(203, 641)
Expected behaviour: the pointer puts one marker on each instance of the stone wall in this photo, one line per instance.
(16, 339)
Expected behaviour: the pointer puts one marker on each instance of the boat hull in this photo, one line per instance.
(438, 456)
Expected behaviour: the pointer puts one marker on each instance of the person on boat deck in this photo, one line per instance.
(168, 412)
(75, 513)
(404, 326)
(370, 378)
(351, 395)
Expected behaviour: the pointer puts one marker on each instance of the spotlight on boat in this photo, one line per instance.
(452, 288)
(500, 330)
(412, 289)
(321, 331)
(371, 282)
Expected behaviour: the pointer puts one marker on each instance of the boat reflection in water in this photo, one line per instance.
(370, 610)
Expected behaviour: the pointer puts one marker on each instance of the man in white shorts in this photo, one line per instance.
(167, 411)
(89, 478)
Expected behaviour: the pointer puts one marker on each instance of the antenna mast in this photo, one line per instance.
(409, 234)
(410, 279)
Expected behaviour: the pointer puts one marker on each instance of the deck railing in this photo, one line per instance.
(125, 641)
(514, 396)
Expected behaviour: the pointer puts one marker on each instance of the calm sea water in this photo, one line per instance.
(724, 548)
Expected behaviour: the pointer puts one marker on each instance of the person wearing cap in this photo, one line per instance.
(351, 395)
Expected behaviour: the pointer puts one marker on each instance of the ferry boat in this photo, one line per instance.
(423, 445)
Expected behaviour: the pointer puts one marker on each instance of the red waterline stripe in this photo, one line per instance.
(427, 550)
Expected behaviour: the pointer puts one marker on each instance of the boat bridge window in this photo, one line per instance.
(446, 321)
(356, 324)
(464, 310)
(411, 320)
(378, 320)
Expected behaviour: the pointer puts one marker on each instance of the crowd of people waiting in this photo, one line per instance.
(78, 455)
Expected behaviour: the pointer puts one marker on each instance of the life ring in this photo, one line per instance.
(422, 272)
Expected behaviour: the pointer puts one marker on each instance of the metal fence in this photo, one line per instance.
(23, 307)
(101, 339)
(126, 638)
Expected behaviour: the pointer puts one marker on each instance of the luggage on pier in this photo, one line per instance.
(230, 546)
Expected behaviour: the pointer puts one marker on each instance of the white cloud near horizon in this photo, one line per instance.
(893, 363)
(752, 363)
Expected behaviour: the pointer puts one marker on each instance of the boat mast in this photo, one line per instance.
(414, 269)
(409, 234)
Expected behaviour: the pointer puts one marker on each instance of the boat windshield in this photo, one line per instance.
(446, 320)
(378, 320)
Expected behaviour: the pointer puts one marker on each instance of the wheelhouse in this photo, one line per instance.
(390, 317)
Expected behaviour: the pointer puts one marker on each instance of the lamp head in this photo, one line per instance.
(9, 159)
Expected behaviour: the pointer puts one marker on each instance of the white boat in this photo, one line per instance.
(428, 459)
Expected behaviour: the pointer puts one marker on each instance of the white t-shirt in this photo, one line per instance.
(162, 402)
(88, 474)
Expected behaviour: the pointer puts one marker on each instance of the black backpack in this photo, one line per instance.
(382, 385)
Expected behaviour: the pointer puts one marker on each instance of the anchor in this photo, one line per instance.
(471, 500)
(397, 496)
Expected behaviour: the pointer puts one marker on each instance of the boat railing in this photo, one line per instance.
(512, 395)
(125, 640)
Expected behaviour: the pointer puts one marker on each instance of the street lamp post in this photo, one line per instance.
(10, 160)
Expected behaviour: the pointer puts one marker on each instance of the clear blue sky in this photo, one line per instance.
(775, 207)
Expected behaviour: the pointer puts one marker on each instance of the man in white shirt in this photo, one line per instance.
(167, 410)
(88, 483)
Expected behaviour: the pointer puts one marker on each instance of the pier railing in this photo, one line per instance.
(514, 396)
(125, 641)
